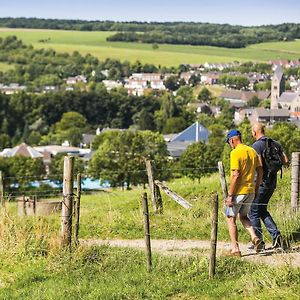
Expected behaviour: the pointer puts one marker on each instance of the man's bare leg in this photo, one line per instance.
(247, 225)
(233, 233)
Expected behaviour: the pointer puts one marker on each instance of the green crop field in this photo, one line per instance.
(166, 55)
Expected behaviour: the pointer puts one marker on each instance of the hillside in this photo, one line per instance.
(34, 266)
(166, 55)
(184, 33)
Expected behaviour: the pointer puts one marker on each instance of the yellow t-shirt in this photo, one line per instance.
(245, 160)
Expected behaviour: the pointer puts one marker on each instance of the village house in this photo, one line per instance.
(210, 78)
(76, 79)
(146, 76)
(21, 150)
(200, 107)
(12, 88)
(178, 143)
(136, 87)
(49, 89)
(285, 106)
(218, 66)
(187, 75)
(262, 115)
(240, 99)
(157, 85)
(111, 84)
(285, 63)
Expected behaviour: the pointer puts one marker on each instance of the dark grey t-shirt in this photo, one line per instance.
(269, 180)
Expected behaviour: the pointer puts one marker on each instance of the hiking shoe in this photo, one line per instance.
(251, 247)
(259, 245)
(277, 242)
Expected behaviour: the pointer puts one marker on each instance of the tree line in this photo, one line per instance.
(39, 67)
(192, 33)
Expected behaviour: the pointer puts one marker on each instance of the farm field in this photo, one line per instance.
(166, 55)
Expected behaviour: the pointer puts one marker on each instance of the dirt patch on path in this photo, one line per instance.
(197, 247)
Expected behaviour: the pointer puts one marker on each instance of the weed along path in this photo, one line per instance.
(197, 247)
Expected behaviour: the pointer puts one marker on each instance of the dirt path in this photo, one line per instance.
(196, 247)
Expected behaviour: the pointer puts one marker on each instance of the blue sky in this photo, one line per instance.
(243, 12)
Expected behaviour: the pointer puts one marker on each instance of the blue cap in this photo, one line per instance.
(232, 133)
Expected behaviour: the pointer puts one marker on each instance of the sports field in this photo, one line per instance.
(166, 55)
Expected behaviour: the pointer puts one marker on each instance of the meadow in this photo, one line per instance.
(34, 267)
(166, 55)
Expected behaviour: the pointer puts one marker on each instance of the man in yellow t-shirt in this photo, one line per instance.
(244, 164)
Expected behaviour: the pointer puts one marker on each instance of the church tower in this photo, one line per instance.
(278, 86)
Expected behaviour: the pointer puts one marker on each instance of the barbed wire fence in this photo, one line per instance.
(287, 219)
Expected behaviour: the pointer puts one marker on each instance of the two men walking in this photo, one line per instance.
(252, 183)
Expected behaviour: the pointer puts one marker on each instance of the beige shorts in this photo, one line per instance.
(241, 205)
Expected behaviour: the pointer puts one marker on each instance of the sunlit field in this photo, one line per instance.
(166, 55)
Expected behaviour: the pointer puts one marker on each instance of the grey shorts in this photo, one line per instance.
(241, 205)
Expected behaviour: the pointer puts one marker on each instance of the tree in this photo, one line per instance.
(171, 83)
(57, 166)
(288, 135)
(4, 141)
(144, 120)
(246, 130)
(194, 80)
(70, 128)
(205, 95)
(22, 168)
(216, 142)
(184, 95)
(266, 103)
(196, 160)
(120, 157)
(253, 102)
(174, 125)
(155, 46)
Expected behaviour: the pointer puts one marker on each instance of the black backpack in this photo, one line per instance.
(272, 156)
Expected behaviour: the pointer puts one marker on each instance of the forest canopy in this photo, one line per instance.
(191, 33)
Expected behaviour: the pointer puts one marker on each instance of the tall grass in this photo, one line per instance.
(34, 267)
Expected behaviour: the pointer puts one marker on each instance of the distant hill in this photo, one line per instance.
(187, 33)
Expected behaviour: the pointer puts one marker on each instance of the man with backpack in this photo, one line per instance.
(273, 158)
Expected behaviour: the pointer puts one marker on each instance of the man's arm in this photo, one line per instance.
(259, 177)
(232, 187)
(285, 159)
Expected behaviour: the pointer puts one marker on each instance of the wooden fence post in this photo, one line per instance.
(77, 210)
(24, 206)
(34, 204)
(156, 198)
(223, 179)
(67, 203)
(2, 201)
(147, 230)
(295, 180)
(214, 236)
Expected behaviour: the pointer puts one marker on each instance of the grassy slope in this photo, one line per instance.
(33, 268)
(167, 55)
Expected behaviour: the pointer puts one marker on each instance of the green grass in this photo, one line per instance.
(5, 67)
(167, 55)
(117, 214)
(34, 267)
(105, 273)
(215, 89)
